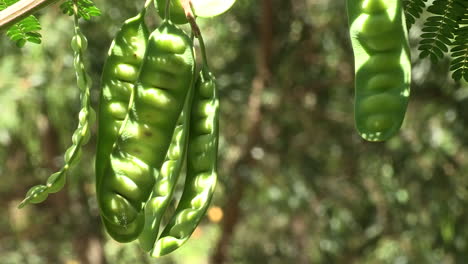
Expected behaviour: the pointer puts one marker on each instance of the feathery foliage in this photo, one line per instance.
(86, 8)
(444, 31)
(25, 30)
(459, 51)
(439, 29)
(413, 10)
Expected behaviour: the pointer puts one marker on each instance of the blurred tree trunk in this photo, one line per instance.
(232, 210)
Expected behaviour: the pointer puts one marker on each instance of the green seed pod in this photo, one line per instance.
(375, 6)
(80, 137)
(201, 169)
(146, 132)
(79, 41)
(127, 233)
(382, 66)
(37, 194)
(166, 181)
(120, 72)
(55, 182)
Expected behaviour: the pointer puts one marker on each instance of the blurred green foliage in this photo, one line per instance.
(315, 193)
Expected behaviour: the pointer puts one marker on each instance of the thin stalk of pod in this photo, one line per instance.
(139, 151)
(382, 66)
(119, 74)
(167, 11)
(177, 12)
(201, 164)
(82, 133)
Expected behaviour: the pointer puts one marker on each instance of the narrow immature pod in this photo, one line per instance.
(382, 66)
(163, 189)
(139, 151)
(201, 169)
(56, 181)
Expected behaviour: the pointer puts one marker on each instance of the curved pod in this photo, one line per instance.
(146, 133)
(163, 189)
(201, 169)
(382, 66)
(120, 71)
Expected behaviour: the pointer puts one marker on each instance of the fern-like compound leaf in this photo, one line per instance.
(459, 53)
(413, 10)
(86, 8)
(439, 29)
(25, 30)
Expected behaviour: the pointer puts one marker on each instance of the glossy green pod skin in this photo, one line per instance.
(382, 66)
(120, 72)
(139, 151)
(163, 189)
(201, 169)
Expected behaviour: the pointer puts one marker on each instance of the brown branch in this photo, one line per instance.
(232, 210)
(20, 10)
(187, 6)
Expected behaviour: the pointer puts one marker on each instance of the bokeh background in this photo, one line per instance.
(297, 184)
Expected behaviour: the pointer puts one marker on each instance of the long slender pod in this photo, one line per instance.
(119, 74)
(166, 181)
(382, 66)
(82, 133)
(139, 151)
(201, 165)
